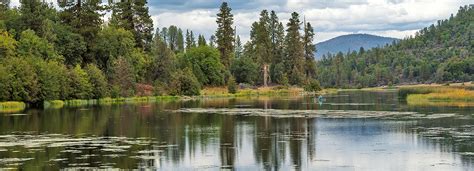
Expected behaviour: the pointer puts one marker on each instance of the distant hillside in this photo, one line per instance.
(442, 52)
(351, 42)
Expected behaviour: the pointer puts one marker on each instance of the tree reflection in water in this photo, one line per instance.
(153, 136)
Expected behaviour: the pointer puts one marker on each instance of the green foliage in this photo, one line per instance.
(19, 81)
(185, 83)
(232, 86)
(32, 46)
(163, 62)
(122, 78)
(70, 45)
(98, 81)
(133, 16)
(205, 65)
(312, 86)
(294, 59)
(52, 80)
(7, 44)
(5, 77)
(309, 50)
(225, 34)
(244, 70)
(438, 53)
(33, 15)
(81, 87)
(111, 44)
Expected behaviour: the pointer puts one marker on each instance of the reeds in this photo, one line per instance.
(446, 96)
(211, 92)
(11, 107)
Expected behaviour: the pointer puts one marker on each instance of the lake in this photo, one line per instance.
(348, 131)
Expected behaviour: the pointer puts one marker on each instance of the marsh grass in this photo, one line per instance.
(11, 107)
(54, 104)
(211, 92)
(439, 95)
(118, 101)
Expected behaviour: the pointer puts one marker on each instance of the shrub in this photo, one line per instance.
(232, 86)
(244, 70)
(185, 83)
(98, 81)
(312, 86)
(206, 65)
(81, 88)
(52, 77)
(122, 77)
(21, 80)
(144, 90)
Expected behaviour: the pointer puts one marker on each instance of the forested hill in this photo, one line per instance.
(442, 52)
(351, 42)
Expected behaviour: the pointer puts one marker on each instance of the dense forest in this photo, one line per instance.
(440, 53)
(69, 51)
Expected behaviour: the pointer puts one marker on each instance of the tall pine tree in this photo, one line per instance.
(201, 41)
(134, 16)
(294, 49)
(309, 50)
(225, 34)
(85, 18)
(263, 45)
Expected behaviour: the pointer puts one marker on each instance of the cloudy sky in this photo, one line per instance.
(331, 18)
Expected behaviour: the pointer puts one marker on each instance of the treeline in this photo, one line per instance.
(72, 53)
(437, 54)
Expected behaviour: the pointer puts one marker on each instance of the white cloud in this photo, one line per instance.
(391, 18)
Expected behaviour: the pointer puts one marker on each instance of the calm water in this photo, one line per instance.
(350, 131)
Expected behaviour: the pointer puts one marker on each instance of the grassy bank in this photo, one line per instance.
(438, 95)
(210, 92)
(11, 107)
(106, 101)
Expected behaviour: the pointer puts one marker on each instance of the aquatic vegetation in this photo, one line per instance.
(435, 95)
(54, 104)
(11, 107)
(261, 91)
(317, 113)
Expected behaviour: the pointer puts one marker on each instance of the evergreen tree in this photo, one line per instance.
(238, 47)
(263, 45)
(180, 41)
(4, 4)
(174, 38)
(225, 34)
(134, 16)
(34, 13)
(277, 68)
(201, 41)
(85, 18)
(294, 57)
(163, 61)
(212, 41)
(309, 50)
(190, 40)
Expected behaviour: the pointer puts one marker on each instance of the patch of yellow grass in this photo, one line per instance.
(443, 96)
(11, 107)
(263, 91)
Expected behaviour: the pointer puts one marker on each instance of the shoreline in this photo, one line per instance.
(414, 96)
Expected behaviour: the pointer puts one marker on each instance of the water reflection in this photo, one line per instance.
(153, 136)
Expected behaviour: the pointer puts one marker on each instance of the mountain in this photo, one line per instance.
(442, 52)
(351, 42)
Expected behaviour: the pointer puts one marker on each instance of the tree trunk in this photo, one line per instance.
(265, 75)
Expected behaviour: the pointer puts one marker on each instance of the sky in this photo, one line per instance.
(330, 18)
